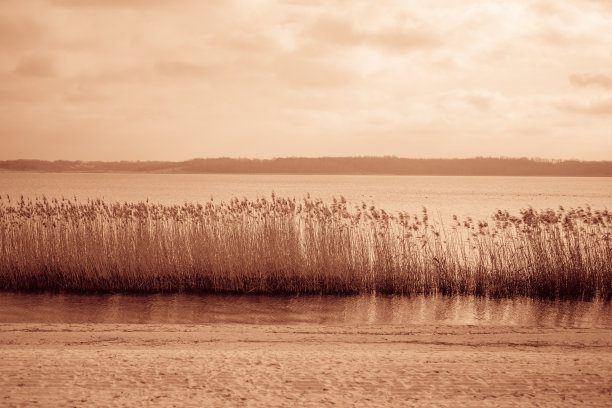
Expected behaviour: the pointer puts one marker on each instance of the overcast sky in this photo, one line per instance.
(178, 79)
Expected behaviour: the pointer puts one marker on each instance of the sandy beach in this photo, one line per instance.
(303, 365)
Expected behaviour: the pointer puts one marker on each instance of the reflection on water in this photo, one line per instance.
(329, 310)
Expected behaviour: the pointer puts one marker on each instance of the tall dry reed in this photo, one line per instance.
(278, 245)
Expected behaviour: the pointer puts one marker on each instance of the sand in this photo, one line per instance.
(303, 365)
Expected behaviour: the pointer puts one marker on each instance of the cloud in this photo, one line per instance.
(309, 72)
(187, 69)
(107, 76)
(16, 33)
(602, 106)
(108, 3)
(401, 39)
(245, 41)
(587, 79)
(302, 3)
(478, 99)
(604, 4)
(35, 66)
(332, 30)
(561, 37)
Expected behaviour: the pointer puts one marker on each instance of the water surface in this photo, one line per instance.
(475, 196)
(290, 310)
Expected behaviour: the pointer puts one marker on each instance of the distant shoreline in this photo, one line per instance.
(391, 166)
(297, 174)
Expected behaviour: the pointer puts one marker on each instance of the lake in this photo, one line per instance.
(443, 196)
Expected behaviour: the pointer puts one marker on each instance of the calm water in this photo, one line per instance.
(332, 310)
(443, 195)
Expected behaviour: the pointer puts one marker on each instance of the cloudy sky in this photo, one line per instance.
(178, 79)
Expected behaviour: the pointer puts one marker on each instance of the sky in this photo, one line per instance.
(179, 79)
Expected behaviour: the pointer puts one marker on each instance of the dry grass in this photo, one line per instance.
(276, 245)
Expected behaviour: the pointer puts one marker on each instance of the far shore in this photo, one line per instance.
(388, 165)
(295, 174)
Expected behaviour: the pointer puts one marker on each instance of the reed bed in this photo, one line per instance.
(275, 245)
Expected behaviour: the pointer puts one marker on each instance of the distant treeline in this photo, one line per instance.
(479, 166)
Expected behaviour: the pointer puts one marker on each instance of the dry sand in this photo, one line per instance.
(303, 365)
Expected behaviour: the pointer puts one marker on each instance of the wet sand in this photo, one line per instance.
(303, 365)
